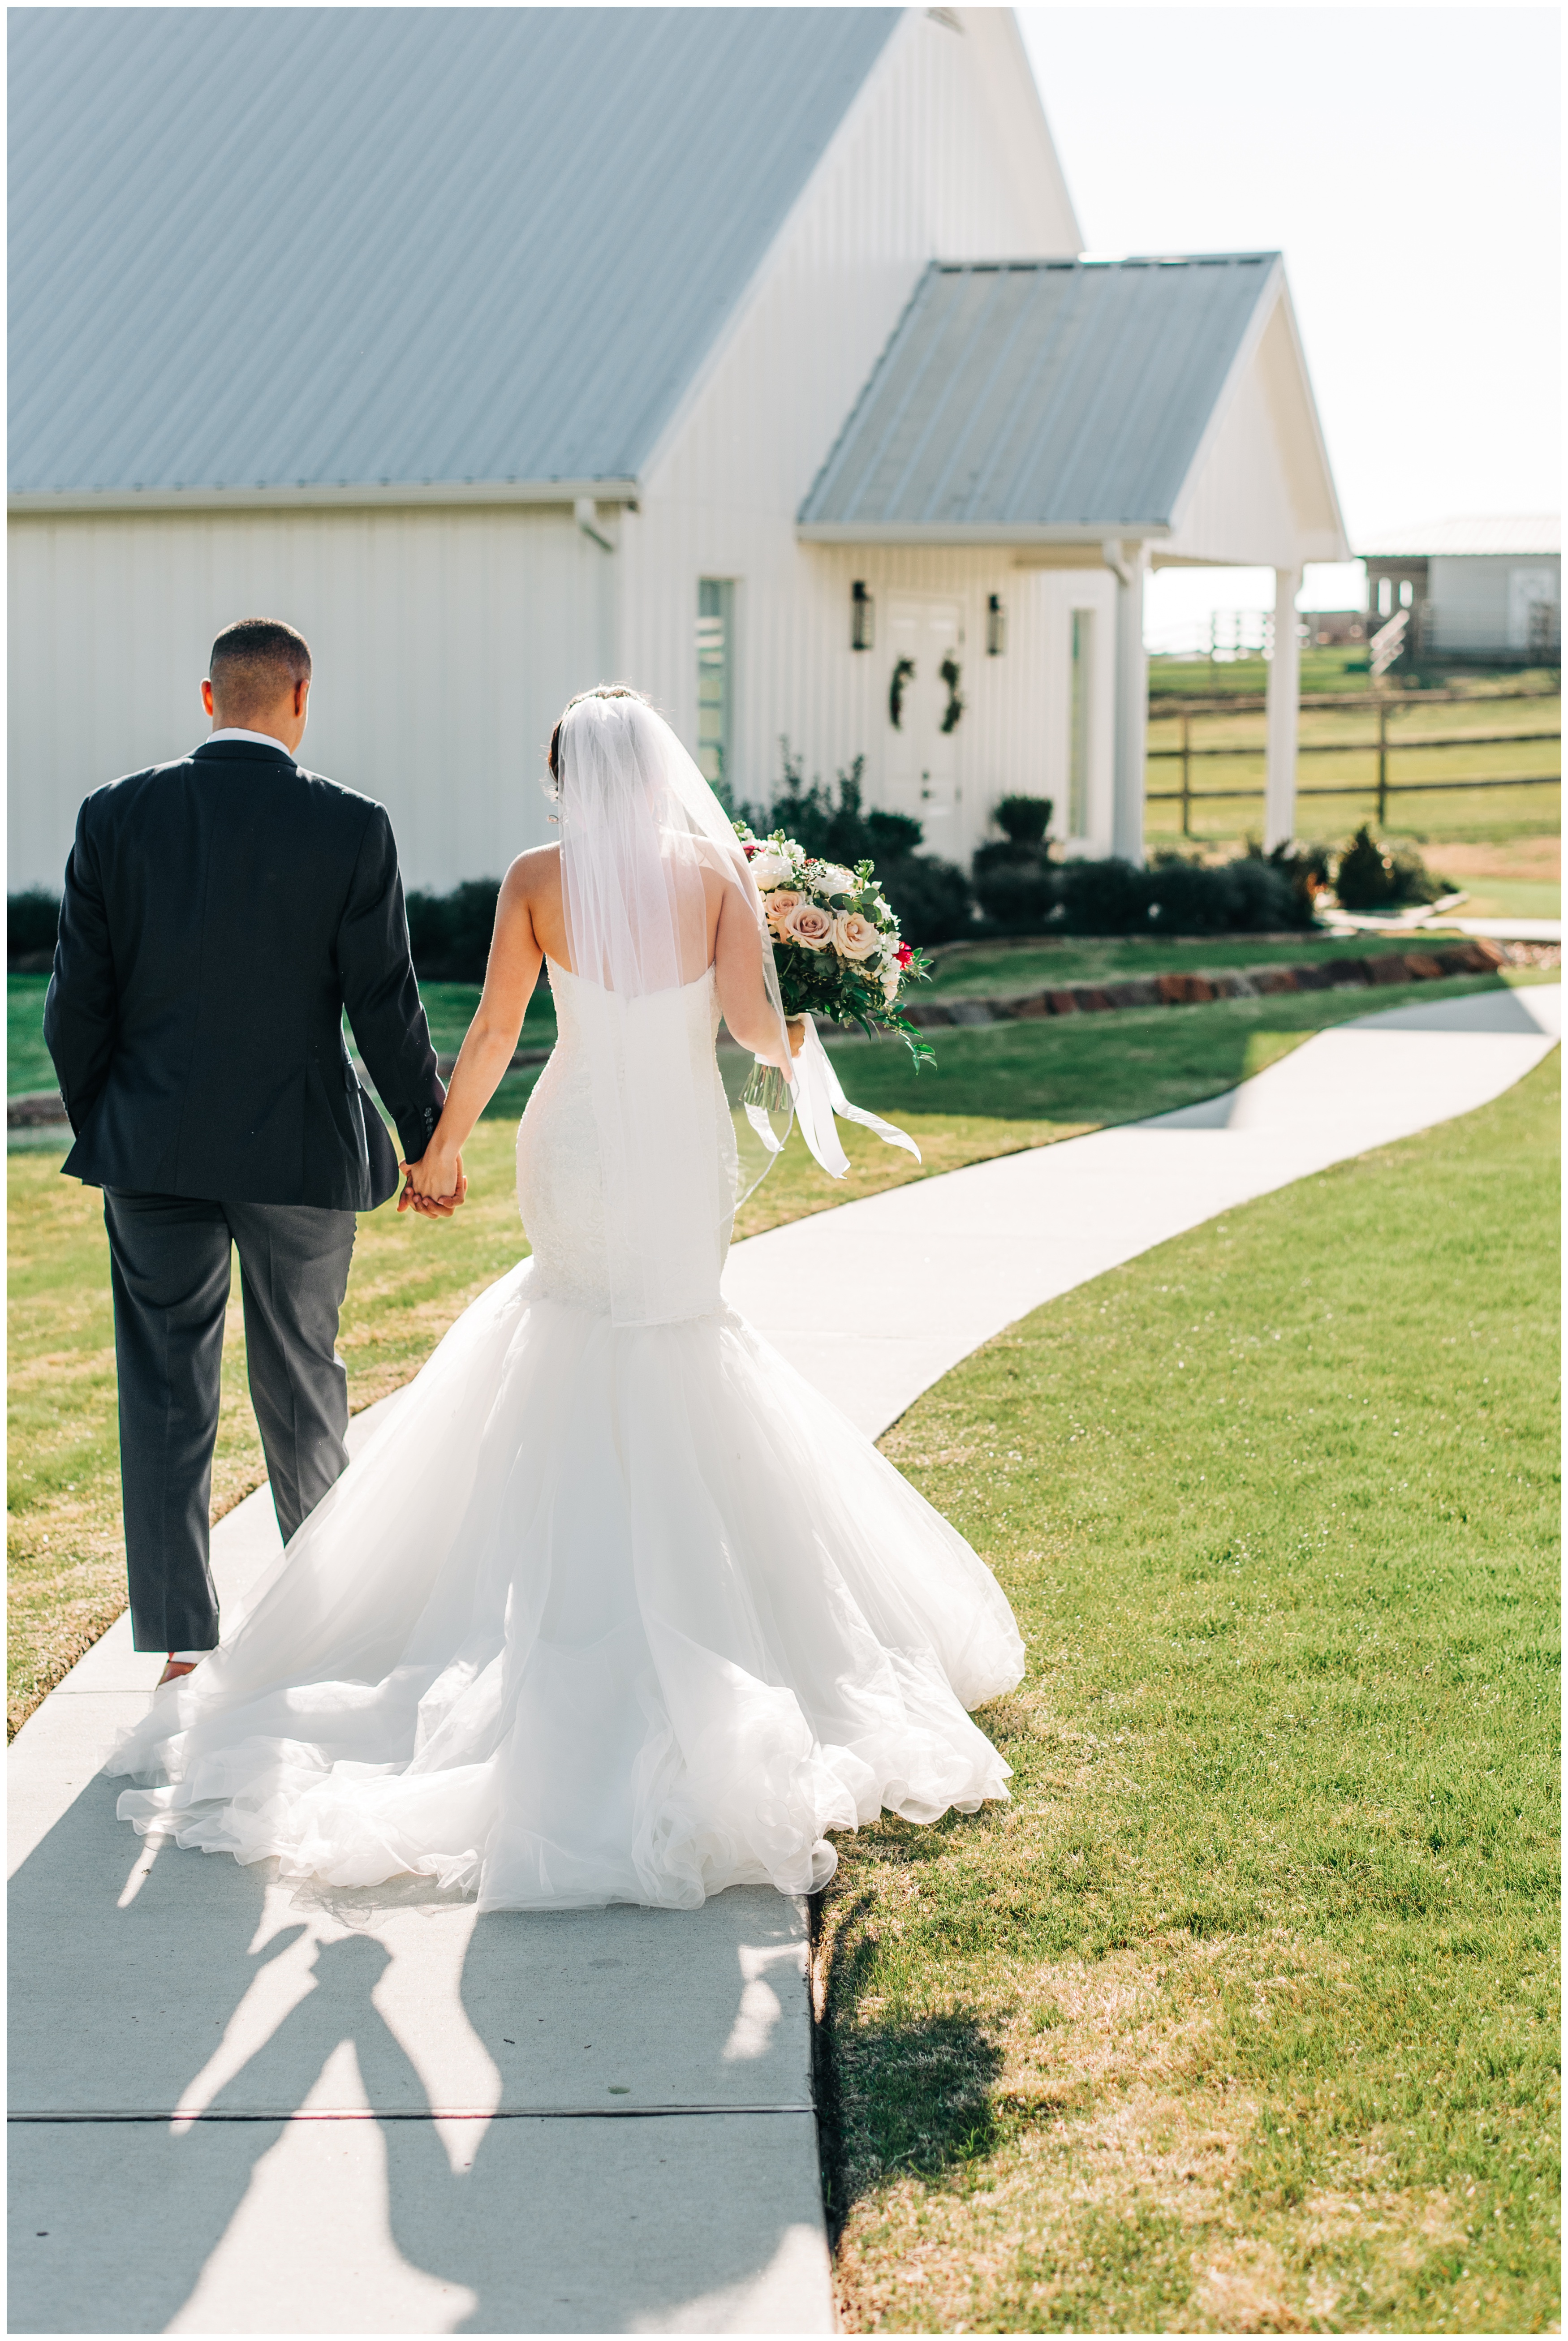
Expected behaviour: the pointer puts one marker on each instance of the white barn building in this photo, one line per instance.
(746, 354)
(1489, 590)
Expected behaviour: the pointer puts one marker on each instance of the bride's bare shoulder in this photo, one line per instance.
(533, 874)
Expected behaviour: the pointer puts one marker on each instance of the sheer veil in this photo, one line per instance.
(643, 841)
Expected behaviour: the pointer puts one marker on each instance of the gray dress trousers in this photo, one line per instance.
(170, 1263)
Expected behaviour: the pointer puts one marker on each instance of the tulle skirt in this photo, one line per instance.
(600, 1614)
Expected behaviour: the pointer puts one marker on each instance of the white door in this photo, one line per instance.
(1534, 619)
(921, 766)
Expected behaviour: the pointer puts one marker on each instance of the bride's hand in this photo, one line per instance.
(796, 1026)
(436, 1183)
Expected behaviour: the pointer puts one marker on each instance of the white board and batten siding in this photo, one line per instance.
(1257, 497)
(470, 530)
(1485, 602)
(447, 639)
(445, 643)
(916, 166)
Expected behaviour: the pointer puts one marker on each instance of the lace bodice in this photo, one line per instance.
(561, 1188)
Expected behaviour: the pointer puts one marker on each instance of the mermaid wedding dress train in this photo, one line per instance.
(604, 1611)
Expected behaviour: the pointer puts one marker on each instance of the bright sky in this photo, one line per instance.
(1407, 162)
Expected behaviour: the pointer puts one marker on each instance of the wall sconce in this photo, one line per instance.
(863, 617)
(995, 627)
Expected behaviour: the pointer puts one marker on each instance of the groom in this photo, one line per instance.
(220, 915)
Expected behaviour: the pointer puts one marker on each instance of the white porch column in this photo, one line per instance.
(1284, 717)
(1130, 563)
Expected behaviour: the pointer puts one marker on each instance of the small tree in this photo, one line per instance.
(1014, 882)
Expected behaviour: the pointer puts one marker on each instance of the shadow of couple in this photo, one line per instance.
(268, 2214)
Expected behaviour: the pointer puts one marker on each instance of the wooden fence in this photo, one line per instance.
(1378, 710)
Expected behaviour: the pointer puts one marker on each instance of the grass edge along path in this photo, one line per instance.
(1001, 1088)
(1242, 2016)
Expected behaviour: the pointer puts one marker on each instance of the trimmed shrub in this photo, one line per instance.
(1370, 878)
(930, 898)
(1015, 898)
(1101, 898)
(449, 934)
(1022, 820)
(1365, 878)
(1015, 883)
(1178, 894)
(32, 928)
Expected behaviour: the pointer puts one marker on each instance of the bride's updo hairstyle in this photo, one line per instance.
(600, 691)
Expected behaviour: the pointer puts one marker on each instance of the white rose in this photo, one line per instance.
(833, 878)
(853, 937)
(770, 869)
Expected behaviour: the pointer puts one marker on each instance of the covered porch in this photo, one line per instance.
(1107, 415)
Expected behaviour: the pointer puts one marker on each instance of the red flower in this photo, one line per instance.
(750, 849)
(903, 954)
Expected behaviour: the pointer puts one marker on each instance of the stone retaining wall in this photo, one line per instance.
(1179, 990)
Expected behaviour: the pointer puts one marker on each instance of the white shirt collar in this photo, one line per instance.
(258, 739)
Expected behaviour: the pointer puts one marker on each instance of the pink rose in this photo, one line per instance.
(779, 904)
(853, 936)
(808, 925)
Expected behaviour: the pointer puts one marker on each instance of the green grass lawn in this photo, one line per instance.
(28, 1066)
(1242, 2015)
(448, 1007)
(1513, 898)
(996, 1089)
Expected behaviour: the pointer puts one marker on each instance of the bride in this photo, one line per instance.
(613, 1606)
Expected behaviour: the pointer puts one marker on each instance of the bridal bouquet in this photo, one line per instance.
(836, 941)
(839, 954)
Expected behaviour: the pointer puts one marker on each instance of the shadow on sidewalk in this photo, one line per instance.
(514, 2224)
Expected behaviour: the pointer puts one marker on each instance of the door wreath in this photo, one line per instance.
(903, 673)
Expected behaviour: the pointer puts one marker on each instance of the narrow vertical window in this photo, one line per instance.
(715, 676)
(1078, 723)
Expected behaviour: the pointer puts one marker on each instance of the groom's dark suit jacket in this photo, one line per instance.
(219, 915)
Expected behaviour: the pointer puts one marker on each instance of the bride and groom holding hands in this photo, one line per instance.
(613, 1606)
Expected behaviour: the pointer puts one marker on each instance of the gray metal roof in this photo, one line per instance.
(1522, 535)
(1041, 395)
(307, 246)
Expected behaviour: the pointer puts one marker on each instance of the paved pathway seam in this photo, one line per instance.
(323, 2085)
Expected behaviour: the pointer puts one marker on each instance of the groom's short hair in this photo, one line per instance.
(255, 660)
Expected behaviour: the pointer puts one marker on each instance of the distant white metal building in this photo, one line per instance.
(743, 352)
(1488, 589)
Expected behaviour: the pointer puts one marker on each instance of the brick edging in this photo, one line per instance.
(1476, 956)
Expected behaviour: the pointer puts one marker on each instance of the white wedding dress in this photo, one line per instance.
(604, 1611)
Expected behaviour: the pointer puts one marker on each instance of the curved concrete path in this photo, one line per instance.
(239, 2108)
(919, 1277)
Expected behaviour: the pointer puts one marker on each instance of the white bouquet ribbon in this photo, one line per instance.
(816, 1095)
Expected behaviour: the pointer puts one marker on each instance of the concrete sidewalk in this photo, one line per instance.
(242, 2108)
(921, 1276)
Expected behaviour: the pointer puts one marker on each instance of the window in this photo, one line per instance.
(1406, 592)
(1385, 597)
(715, 676)
(1078, 723)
